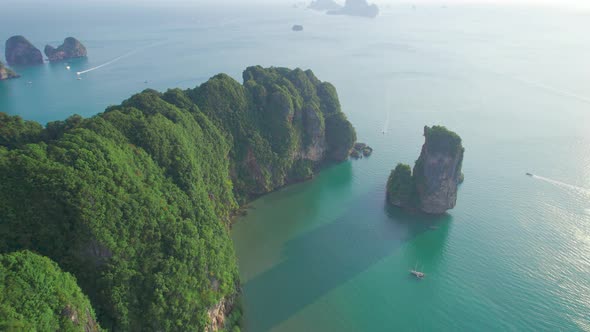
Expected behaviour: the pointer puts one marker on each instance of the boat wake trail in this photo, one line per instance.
(579, 190)
(551, 89)
(386, 125)
(117, 59)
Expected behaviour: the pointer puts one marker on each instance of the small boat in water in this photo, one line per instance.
(529, 174)
(68, 67)
(416, 273)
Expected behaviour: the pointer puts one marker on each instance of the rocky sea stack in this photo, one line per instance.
(432, 188)
(71, 48)
(6, 73)
(324, 5)
(19, 51)
(357, 8)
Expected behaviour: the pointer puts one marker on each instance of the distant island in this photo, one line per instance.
(20, 52)
(71, 48)
(136, 203)
(357, 8)
(6, 73)
(432, 187)
(324, 5)
(351, 8)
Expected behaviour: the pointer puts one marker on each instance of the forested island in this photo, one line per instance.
(351, 8)
(136, 202)
(433, 185)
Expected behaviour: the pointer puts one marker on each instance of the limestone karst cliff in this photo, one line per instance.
(19, 51)
(136, 202)
(433, 185)
(71, 48)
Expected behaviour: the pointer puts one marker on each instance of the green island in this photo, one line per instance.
(136, 202)
(432, 186)
(36, 295)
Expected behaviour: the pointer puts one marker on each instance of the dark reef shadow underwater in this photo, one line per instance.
(325, 257)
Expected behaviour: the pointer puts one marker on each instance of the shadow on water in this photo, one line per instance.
(320, 260)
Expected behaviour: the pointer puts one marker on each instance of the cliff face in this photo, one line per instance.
(71, 48)
(438, 170)
(6, 73)
(432, 188)
(283, 123)
(218, 315)
(19, 51)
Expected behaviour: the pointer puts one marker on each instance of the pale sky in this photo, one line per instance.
(580, 4)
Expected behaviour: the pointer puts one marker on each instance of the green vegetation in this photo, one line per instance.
(440, 139)
(35, 295)
(400, 186)
(14, 131)
(136, 201)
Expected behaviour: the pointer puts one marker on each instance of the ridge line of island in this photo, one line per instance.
(133, 206)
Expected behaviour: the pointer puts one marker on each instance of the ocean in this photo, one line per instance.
(328, 254)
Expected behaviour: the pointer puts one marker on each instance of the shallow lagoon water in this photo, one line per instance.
(328, 255)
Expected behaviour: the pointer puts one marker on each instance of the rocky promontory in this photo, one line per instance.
(71, 48)
(357, 8)
(6, 73)
(324, 5)
(19, 51)
(161, 174)
(432, 188)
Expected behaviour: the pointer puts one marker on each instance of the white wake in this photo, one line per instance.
(117, 59)
(564, 185)
(386, 124)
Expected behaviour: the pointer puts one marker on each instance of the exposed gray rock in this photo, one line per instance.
(437, 172)
(71, 48)
(19, 51)
(6, 73)
(432, 187)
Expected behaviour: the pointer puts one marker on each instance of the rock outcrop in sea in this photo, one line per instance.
(19, 51)
(360, 150)
(71, 48)
(297, 28)
(357, 8)
(324, 5)
(432, 187)
(6, 73)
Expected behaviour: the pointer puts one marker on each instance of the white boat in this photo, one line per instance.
(68, 67)
(416, 273)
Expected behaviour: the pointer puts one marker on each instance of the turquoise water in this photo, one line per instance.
(328, 255)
